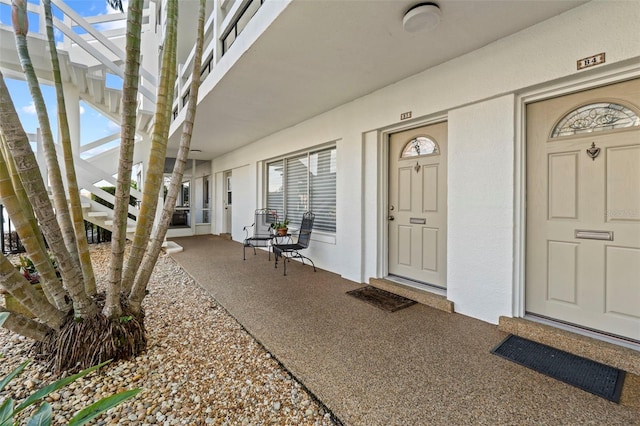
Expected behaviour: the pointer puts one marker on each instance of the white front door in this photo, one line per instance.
(583, 209)
(418, 204)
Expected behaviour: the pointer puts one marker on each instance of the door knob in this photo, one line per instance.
(391, 218)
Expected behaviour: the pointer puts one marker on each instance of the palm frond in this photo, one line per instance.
(116, 4)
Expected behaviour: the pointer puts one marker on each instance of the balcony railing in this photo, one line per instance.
(220, 32)
(239, 23)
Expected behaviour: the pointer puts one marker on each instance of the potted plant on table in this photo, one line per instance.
(281, 227)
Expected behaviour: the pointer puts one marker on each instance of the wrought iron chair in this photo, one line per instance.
(292, 251)
(262, 234)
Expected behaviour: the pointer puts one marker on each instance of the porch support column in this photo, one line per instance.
(72, 101)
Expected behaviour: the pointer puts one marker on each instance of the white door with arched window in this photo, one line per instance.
(417, 214)
(583, 209)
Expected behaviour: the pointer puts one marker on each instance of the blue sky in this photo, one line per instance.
(92, 124)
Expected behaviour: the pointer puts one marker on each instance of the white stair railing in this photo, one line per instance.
(104, 56)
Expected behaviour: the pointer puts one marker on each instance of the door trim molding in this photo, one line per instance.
(383, 207)
(578, 83)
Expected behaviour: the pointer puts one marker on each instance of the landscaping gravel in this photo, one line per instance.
(200, 368)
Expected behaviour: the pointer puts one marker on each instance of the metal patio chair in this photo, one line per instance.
(262, 235)
(292, 251)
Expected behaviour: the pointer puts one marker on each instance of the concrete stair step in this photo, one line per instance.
(171, 247)
(421, 296)
(131, 227)
(98, 214)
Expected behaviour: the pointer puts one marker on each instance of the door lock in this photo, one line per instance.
(391, 218)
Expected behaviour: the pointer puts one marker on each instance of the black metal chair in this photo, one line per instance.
(292, 251)
(262, 233)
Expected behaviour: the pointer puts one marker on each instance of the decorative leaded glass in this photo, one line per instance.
(596, 117)
(422, 145)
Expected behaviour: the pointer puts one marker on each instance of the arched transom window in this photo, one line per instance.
(422, 145)
(595, 117)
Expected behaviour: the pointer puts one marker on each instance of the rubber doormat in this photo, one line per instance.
(583, 373)
(382, 299)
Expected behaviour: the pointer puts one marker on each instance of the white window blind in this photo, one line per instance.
(297, 185)
(304, 182)
(275, 187)
(322, 188)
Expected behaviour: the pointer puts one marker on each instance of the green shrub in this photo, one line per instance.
(43, 415)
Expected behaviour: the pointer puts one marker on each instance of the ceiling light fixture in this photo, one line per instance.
(423, 16)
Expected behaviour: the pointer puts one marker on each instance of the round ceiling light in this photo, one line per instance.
(423, 16)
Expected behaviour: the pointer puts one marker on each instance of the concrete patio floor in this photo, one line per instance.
(416, 366)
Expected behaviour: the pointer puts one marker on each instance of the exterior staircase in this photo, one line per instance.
(97, 55)
(90, 180)
(92, 84)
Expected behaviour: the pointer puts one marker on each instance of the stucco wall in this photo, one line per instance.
(477, 94)
(480, 202)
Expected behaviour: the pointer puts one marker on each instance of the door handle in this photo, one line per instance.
(391, 218)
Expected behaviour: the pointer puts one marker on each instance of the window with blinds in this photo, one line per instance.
(304, 182)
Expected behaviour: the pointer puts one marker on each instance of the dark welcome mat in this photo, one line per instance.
(588, 375)
(382, 299)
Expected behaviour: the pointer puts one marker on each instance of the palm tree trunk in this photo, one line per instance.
(151, 256)
(25, 206)
(112, 308)
(27, 168)
(72, 183)
(25, 326)
(55, 177)
(29, 297)
(157, 154)
(48, 279)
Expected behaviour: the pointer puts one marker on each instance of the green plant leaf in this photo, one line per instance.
(13, 374)
(6, 412)
(99, 407)
(3, 317)
(42, 417)
(38, 395)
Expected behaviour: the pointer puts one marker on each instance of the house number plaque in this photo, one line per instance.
(591, 61)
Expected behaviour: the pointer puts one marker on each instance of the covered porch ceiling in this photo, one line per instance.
(320, 54)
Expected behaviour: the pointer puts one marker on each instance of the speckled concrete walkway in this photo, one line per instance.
(416, 366)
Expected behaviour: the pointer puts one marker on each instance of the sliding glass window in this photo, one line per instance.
(304, 182)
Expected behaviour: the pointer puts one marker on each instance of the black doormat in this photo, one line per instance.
(588, 375)
(382, 299)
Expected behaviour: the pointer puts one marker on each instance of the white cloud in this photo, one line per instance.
(30, 109)
(113, 127)
(81, 110)
(114, 24)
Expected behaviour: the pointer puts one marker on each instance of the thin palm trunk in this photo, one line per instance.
(157, 154)
(25, 206)
(14, 283)
(48, 279)
(112, 308)
(55, 177)
(25, 326)
(140, 285)
(84, 257)
(27, 167)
